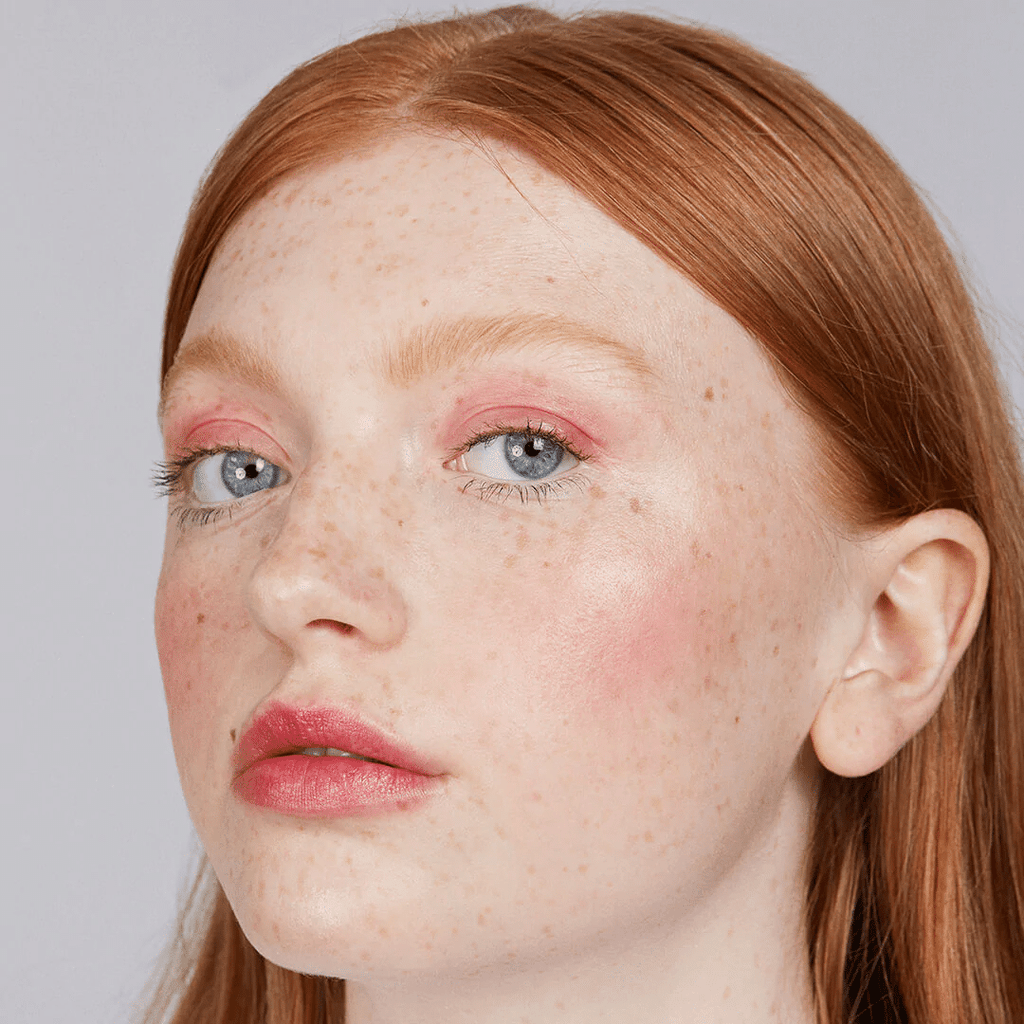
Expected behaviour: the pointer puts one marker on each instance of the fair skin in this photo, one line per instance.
(628, 687)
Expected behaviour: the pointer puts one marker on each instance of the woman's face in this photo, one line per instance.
(528, 505)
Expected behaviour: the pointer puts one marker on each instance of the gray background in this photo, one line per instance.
(111, 110)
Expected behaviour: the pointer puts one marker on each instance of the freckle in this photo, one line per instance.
(424, 302)
(596, 492)
(775, 652)
(522, 539)
(233, 734)
(709, 395)
(551, 280)
(634, 504)
(708, 684)
(732, 638)
(200, 619)
(737, 720)
(492, 655)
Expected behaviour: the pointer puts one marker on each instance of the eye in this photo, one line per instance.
(518, 455)
(230, 475)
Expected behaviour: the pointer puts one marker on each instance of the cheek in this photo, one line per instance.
(705, 650)
(196, 626)
(638, 628)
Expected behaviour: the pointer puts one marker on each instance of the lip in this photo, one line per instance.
(272, 772)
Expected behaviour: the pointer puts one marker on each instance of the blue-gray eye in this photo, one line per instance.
(532, 456)
(518, 456)
(228, 476)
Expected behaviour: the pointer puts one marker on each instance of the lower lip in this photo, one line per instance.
(310, 786)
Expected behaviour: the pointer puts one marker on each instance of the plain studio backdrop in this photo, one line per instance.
(112, 109)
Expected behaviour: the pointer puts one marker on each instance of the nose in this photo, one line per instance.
(323, 571)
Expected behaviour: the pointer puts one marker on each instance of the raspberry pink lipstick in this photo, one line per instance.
(320, 762)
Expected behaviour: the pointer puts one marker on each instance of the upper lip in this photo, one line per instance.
(282, 728)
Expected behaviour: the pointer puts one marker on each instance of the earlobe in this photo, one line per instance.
(933, 570)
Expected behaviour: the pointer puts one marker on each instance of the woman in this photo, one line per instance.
(593, 578)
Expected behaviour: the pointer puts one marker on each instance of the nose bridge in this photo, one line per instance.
(327, 561)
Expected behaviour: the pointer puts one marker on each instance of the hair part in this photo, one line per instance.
(786, 213)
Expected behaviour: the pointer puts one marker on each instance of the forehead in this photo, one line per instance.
(418, 227)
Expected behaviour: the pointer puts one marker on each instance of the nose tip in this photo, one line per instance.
(300, 591)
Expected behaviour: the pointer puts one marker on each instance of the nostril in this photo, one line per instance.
(338, 627)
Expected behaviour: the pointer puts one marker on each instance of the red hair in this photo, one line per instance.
(791, 218)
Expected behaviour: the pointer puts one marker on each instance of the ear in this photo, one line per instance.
(925, 585)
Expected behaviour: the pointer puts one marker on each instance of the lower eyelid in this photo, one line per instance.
(502, 491)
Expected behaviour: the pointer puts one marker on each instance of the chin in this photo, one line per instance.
(342, 931)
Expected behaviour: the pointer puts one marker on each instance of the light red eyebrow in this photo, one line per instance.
(443, 345)
(421, 352)
(219, 354)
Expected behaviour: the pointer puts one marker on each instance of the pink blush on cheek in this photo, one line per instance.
(645, 631)
(185, 629)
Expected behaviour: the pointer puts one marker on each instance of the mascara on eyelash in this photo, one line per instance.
(492, 431)
(501, 490)
(168, 477)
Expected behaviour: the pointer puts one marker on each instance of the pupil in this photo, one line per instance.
(251, 470)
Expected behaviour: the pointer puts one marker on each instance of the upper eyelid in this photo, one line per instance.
(492, 431)
(173, 476)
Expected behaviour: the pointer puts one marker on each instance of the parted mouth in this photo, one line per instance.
(333, 752)
(282, 730)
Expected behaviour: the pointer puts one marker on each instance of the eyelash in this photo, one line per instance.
(502, 490)
(170, 477)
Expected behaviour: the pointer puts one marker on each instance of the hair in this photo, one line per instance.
(786, 213)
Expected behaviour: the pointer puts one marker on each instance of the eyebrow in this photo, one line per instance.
(421, 352)
(219, 353)
(444, 345)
